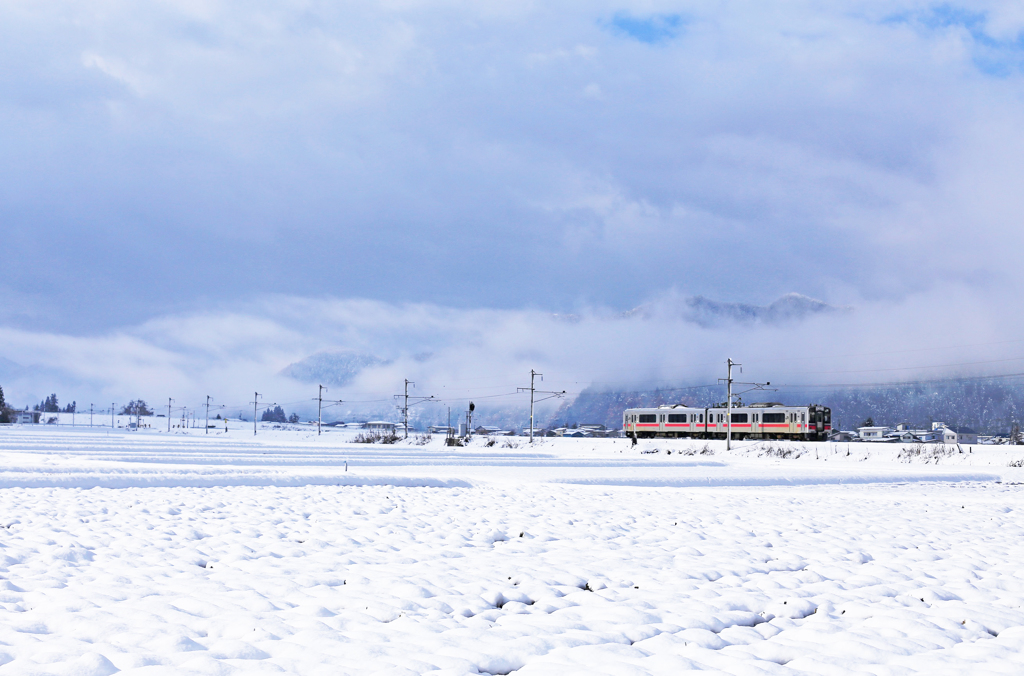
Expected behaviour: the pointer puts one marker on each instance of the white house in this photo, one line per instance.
(381, 426)
(873, 433)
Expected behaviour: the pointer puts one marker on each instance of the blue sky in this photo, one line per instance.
(177, 158)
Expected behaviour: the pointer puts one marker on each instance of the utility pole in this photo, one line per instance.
(111, 415)
(533, 391)
(405, 408)
(319, 408)
(90, 415)
(255, 404)
(207, 428)
(728, 401)
(169, 400)
(728, 408)
(448, 435)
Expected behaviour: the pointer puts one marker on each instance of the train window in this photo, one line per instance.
(648, 418)
(701, 417)
(773, 418)
(739, 417)
(676, 418)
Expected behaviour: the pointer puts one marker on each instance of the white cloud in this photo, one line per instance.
(453, 153)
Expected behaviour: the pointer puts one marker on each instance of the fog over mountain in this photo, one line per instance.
(706, 312)
(284, 346)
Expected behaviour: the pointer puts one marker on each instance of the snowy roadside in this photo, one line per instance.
(39, 457)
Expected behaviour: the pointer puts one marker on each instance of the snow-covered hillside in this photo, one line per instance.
(151, 553)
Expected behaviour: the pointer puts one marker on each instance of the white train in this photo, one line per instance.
(754, 421)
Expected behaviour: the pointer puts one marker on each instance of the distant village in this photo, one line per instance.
(940, 433)
(140, 416)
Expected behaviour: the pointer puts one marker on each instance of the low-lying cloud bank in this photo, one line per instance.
(283, 347)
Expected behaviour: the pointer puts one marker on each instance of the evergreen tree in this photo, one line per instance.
(49, 405)
(136, 407)
(5, 416)
(293, 418)
(275, 414)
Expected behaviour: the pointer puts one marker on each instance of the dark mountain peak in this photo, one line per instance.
(707, 312)
(336, 368)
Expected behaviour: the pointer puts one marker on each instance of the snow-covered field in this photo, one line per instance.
(152, 553)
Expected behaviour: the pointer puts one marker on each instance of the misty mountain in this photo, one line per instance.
(331, 368)
(986, 406)
(707, 312)
(10, 369)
